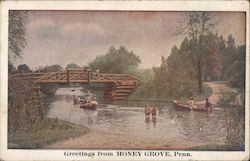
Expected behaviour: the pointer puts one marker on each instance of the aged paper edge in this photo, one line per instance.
(7, 154)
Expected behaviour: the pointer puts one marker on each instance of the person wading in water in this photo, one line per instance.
(147, 111)
(154, 112)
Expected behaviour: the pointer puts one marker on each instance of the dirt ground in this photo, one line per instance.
(100, 140)
(219, 89)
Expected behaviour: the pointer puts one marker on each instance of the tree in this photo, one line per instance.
(211, 59)
(197, 25)
(72, 66)
(17, 29)
(230, 55)
(181, 70)
(11, 68)
(116, 61)
(222, 52)
(50, 68)
(182, 67)
(161, 78)
(23, 68)
(236, 71)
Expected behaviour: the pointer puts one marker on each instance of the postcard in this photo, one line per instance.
(124, 80)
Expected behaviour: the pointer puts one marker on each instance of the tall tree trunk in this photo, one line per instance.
(199, 76)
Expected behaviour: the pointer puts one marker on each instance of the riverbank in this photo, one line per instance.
(44, 132)
(102, 140)
(28, 126)
(219, 88)
(207, 91)
(216, 147)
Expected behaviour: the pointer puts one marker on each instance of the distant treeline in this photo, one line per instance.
(220, 60)
(176, 76)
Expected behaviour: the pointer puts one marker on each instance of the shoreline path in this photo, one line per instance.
(101, 140)
(219, 88)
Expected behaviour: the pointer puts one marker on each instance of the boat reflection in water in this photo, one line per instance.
(183, 106)
(91, 116)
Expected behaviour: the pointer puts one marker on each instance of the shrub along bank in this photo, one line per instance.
(28, 126)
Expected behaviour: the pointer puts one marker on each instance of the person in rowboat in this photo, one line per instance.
(76, 100)
(208, 105)
(191, 103)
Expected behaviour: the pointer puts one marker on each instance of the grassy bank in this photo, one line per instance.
(44, 132)
(28, 126)
(138, 96)
(207, 91)
(215, 147)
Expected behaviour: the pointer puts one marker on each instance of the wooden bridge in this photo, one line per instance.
(117, 86)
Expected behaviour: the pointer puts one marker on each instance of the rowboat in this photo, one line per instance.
(91, 105)
(184, 106)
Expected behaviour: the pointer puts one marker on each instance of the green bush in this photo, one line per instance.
(235, 120)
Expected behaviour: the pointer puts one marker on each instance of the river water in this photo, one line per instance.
(127, 118)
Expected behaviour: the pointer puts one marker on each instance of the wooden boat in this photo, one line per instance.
(185, 106)
(91, 105)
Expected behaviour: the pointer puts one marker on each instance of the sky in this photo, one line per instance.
(63, 37)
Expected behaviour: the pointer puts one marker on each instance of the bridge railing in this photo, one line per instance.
(25, 75)
(76, 75)
(122, 77)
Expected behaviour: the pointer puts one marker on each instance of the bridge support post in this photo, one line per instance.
(68, 76)
(110, 92)
(89, 75)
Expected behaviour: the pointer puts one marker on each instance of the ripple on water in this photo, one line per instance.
(170, 123)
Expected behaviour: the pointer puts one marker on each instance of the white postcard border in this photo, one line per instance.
(7, 154)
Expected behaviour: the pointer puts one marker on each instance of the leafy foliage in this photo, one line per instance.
(197, 26)
(17, 29)
(42, 133)
(50, 68)
(24, 106)
(116, 61)
(11, 68)
(176, 77)
(23, 68)
(147, 87)
(211, 57)
(236, 70)
(235, 122)
(28, 126)
(72, 66)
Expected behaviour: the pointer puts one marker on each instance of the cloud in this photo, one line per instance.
(80, 29)
(62, 37)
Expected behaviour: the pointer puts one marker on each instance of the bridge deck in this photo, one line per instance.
(118, 85)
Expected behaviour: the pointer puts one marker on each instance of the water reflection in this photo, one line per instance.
(130, 120)
(154, 122)
(91, 116)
